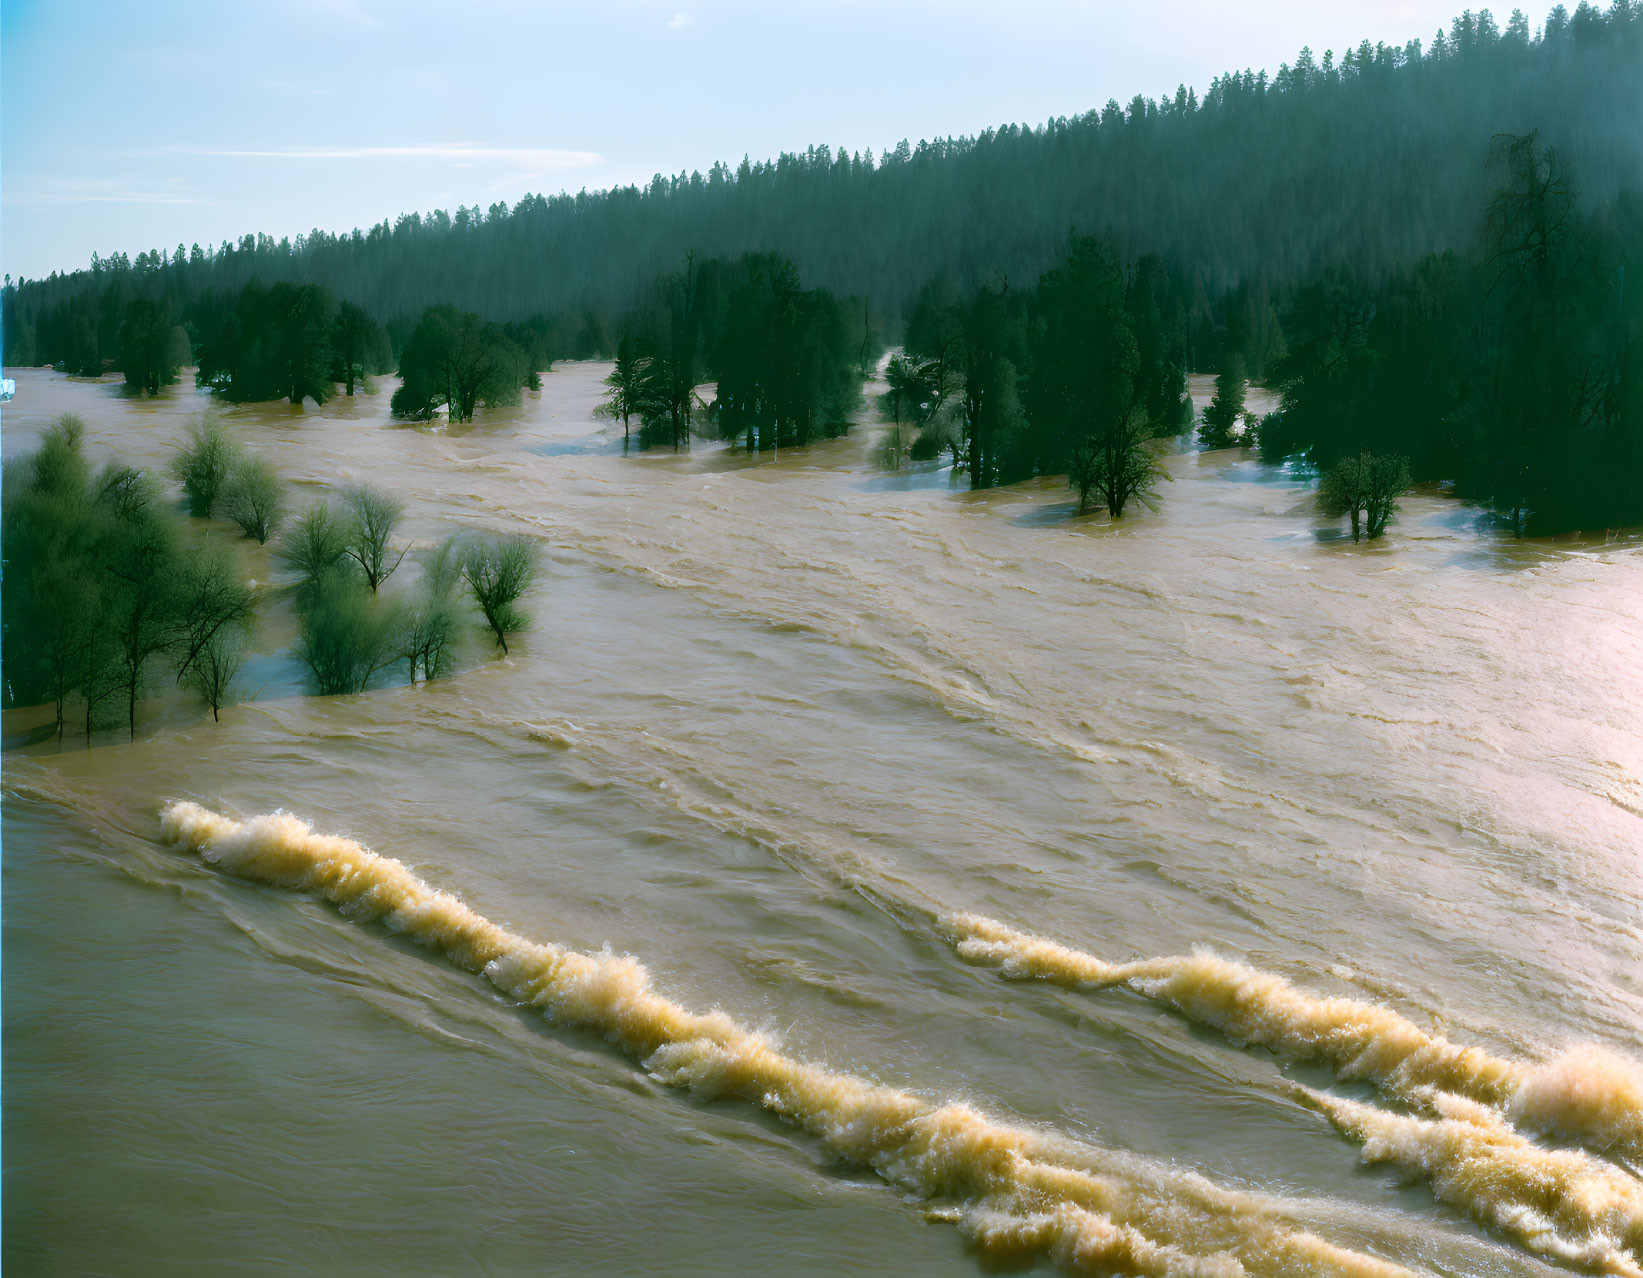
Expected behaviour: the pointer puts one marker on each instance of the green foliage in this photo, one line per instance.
(786, 358)
(214, 670)
(213, 596)
(101, 585)
(274, 344)
(631, 387)
(51, 601)
(1226, 410)
(942, 433)
(666, 340)
(58, 468)
(1105, 373)
(457, 361)
(431, 619)
(359, 346)
(216, 615)
(910, 397)
(149, 349)
(205, 462)
(372, 517)
(254, 498)
(315, 546)
(498, 571)
(1514, 373)
(142, 566)
(1364, 487)
(1267, 179)
(1469, 316)
(346, 635)
(907, 391)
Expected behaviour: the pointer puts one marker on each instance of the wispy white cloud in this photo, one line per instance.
(464, 152)
(678, 22)
(49, 190)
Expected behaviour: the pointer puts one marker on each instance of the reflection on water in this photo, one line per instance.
(776, 719)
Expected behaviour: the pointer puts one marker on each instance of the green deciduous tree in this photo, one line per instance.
(498, 571)
(254, 498)
(274, 344)
(457, 361)
(785, 357)
(213, 673)
(315, 545)
(1365, 488)
(212, 595)
(204, 462)
(346, 635)
(1089, 393)
(359, 345)
(431, 619)
(372, 517)
(142, 566)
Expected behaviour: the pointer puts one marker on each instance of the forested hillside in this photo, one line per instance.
(1363, 160)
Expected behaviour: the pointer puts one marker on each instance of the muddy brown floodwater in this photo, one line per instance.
(848, 872)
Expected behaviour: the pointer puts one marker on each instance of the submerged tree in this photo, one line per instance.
(785, 358)
(274, 344)
(1087, 392)
(204, 463)
(1226, 410)
(153, 347)
(903, 404)
(315, 544)
(52, 601)
(102, 585)
(219, 662)
(456, 360)
(359, 345)
(1364, 487)
(630, 386)
(346, 635)
(213, 597)
(141, 563)
(372, 517)
(498, 571)
(431, 618)
(254, 498)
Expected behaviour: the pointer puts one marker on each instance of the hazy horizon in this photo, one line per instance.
(373, 115)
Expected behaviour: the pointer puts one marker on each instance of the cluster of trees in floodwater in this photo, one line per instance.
(1423, 249)
(1513, 373)
(114, 585)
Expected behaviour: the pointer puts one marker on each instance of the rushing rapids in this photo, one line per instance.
(777, 724)
(1082, 1205)
(1585, 1093)
(1561, 1203)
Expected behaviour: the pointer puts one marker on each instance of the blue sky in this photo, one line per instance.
(129, 126)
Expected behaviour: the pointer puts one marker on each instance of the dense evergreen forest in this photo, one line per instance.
(1363, 159)
(1424, 249)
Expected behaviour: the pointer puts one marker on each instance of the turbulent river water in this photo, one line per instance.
(847, 872)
